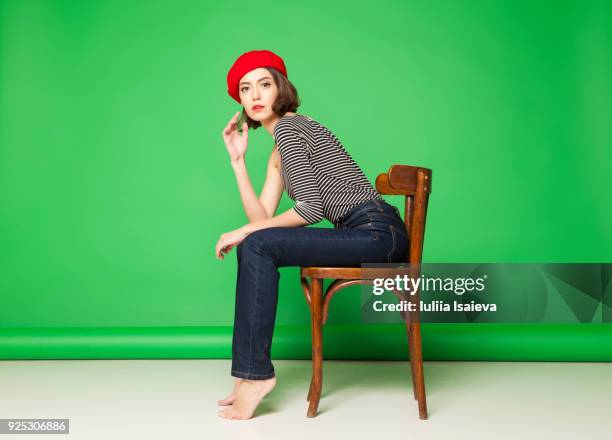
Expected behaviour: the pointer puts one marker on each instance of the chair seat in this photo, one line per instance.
(350, 273)
(331, 272)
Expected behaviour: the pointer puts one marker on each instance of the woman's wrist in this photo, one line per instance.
(245, 229)
(237, 162)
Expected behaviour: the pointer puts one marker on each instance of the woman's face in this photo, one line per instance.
(258, 93)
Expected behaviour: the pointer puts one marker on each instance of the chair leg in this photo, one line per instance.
(412, 359)
(310, 388)
(314, 395)
(415, 341)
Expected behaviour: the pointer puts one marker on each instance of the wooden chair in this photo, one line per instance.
(415, 184)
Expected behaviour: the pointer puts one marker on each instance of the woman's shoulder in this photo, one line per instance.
(290, 127)
(295, 121)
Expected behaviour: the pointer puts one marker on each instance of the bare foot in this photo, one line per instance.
(248, 396)
(230, 399)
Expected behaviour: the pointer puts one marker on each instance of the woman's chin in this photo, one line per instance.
(261, 116)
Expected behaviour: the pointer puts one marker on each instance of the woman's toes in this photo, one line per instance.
(249, 395)
(230, 399)
(230, 413)
(227, 401)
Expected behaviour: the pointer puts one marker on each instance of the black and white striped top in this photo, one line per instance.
(318, 173)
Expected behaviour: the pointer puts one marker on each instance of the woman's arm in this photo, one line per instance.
(227, 241)
(273, 187)
(252, 207)
(308, 207)
(237, 145)
(265, 206)
(289, 218)
(270, 196)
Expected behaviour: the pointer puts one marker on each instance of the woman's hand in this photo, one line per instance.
(236, 144)
(228, 240)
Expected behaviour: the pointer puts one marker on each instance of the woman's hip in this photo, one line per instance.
(375, 215)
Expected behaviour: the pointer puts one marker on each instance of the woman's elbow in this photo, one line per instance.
(311, 212)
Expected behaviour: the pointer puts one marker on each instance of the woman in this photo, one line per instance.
(325, 182)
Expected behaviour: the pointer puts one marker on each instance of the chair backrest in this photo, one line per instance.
(415, 184)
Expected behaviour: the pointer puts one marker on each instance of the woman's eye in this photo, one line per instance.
(242, 89)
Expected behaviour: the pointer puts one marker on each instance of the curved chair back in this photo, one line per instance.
(415, 184)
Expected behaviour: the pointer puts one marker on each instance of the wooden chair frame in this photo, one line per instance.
(415, 184)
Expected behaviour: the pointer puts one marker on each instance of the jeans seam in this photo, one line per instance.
(392, 229)
(258, 249)
(252, 321)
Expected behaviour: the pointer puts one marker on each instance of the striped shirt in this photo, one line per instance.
(317, 172)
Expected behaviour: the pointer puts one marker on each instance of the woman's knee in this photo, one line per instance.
(255, 241)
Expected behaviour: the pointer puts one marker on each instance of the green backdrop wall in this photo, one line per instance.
(115, 183)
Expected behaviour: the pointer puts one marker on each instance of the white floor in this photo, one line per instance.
(138, 399)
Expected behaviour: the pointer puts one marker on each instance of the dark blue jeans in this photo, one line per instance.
(372, 232)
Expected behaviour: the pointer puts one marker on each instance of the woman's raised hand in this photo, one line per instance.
(236, 144)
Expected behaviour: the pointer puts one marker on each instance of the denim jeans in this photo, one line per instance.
(372, 232)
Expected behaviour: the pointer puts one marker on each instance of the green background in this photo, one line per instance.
(115, 183)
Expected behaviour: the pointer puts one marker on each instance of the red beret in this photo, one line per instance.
(249, 61)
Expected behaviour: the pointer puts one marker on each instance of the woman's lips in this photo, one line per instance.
(259, 107)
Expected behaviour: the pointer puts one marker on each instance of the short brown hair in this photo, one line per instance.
(286, 101)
